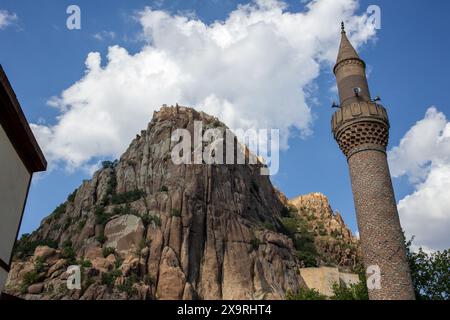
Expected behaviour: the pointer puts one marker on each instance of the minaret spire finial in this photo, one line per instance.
(346, 50)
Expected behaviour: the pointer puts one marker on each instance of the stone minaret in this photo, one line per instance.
(361, 128)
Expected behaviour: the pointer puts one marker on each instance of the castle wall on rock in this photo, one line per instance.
(322, 279)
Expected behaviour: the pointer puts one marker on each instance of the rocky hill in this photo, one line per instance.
(335, 243)
(145, 228)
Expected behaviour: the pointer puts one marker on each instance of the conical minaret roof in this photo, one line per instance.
(346, 50)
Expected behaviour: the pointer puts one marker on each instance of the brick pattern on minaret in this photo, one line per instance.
(361, 128)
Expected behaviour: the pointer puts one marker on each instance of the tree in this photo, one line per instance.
(357, 291)
(305, 294)
(430, 273)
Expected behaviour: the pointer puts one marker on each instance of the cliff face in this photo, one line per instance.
(145, 228)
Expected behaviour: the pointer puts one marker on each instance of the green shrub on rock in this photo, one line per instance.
(306, 294)
(107, 251)
(175, 213)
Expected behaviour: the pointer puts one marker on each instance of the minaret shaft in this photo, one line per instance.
(381, 237)
(361, 128)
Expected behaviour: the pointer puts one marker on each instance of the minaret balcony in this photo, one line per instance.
(360, 124)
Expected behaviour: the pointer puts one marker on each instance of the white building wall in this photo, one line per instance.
(14, 180)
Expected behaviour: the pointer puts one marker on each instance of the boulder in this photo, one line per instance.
(124, 233)
(59, 264)
(43, 252)
(35, 288)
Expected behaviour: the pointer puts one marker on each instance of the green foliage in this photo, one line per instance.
(59, 211)
(285, 212)
(125, 210)
(255, 243)
(175, 213)
(216, 124)
(28, 279)
(107, 251)
(71, 197)
(336, 234)
(68, 253)
(292, 210)
(164, 189)
(126, 197)
(24, 247)
(290, 225)
(106, 164)
(127, 285)
(109, 164)
(110, 277)
(430, 273)
(112, 184)
(289, 211)
(118, 262)
(353, 291)
(308, 258)
(305, 242)
(350, 292)
(62, 289)
(34, 276)
(39, 265)
(101, 216)
(296, 228)
(147, 219)
(101, 237)
(81, 223)
(269, 226)
(67, 223)
(84, 263)
(305, 294)
(86, 284)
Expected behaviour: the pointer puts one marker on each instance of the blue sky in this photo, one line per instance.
(408, 63)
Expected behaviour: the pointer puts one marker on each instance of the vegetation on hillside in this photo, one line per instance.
(296, 228)
(24, 247)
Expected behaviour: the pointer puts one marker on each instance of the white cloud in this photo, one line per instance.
(251, 70)
(423, 155)
(104, 35)
(6, 18)
(425, 143)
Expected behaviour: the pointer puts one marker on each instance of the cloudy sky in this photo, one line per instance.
(256, 64)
